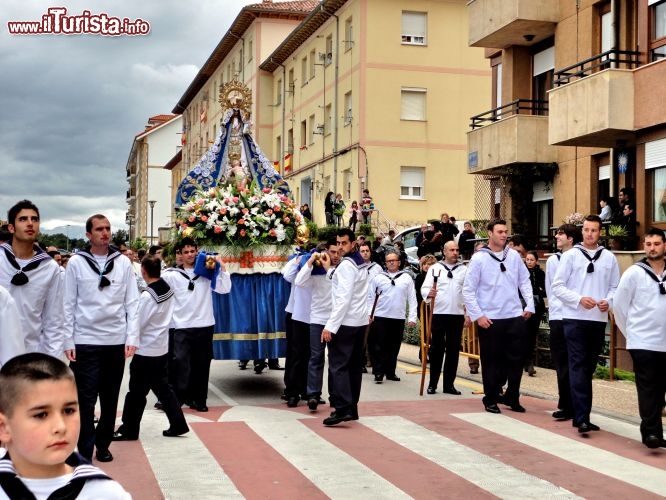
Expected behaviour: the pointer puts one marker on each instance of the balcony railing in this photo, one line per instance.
(517, 107)
(619, 59)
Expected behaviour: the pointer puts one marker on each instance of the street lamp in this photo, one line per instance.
(152, 206)
(67, 238)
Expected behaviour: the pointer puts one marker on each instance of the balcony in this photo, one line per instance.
(650, 95)
(594, 106)
(508, 136)
(502, 23)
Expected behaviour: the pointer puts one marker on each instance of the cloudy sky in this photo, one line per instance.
(71, 104)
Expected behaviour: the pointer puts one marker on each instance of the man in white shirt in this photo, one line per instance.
(585, 283)
(495, 275)
(34, 281)
(12, 341)
(396, 290)
(194, 325)
(345, 329)
(101, 329)
(638, 307)
(566, 237)
(448, 316)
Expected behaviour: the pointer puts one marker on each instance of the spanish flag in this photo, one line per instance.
(287, 163)
(276, 166)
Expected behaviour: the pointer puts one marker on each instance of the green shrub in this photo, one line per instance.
(603, 372)
(326, 233)
(412, 334)
(365, 229)
(313, 229)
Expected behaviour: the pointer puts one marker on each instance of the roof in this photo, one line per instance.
(293, 10)
(177, 158)
(155, 122)
(302, 32)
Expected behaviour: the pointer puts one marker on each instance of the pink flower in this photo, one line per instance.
(242, 232)
(235, 198)
(269, 212)
(276, 208)
(241, 222)
(286, 220)
(267, 190)
(246, 210)
(204, 218)
(217, 229)
(191, 219)
(272, 232)
(223, 211)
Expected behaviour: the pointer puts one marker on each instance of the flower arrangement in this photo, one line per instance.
(239, 216)
(575, 218)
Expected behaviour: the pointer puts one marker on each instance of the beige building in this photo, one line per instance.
(149, 192)
(577, 85)
(377, 94)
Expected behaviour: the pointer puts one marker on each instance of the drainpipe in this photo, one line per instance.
(335, 95)
(284, 113)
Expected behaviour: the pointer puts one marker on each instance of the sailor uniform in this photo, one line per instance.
(385, 337)
(447, 321)
(11, 334)
(100, 306)
(638, 308)
(194, 325)
(36, 287)
(148, 369)
(584, 273)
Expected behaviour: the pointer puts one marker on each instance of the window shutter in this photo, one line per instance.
(655, 154)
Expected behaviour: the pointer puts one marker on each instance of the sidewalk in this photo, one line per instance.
(615, 399)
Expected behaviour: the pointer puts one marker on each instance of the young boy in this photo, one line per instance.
(39, 426)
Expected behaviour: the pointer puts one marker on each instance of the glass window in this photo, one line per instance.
(328, 119)
(412, 181)
(328, 58)
(304, 134)
(304, 71)
(348, 108)
(313, 61)
(414, 28)
(311, 122)
(658, 31)
(349, 34)
(659, 194)
(278, 99)
(413, 104)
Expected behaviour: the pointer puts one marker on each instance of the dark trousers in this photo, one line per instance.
(98, 371)
(502, 347)
(384, 341)
(560, 357)
(532, 332)
(192, 354)
(345, 362)
(298, 354)
(650, 370)
(149, 373)
(446, 335)
(317, 361)
(584, 342)
(288, 334)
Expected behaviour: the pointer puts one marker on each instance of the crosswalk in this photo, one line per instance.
(447, 448)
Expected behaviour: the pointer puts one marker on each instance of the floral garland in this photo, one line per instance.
(575, 218)
(239, 216)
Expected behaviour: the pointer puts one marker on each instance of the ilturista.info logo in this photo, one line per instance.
(57, 22)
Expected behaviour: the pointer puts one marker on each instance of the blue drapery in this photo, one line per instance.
(249, 321)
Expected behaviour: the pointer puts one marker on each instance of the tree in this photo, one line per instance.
(120, 236)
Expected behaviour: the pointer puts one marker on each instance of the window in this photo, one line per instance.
(348, 109)
(233, 66)
(278, 96)
(278, 147)
(328, 58)
(414, 28)
(412, 180)
(655, 160)
(349, 34)
(304, 134)
(543, 71)
(290, 140)
(228, 72)
(290, 82)
(328, 119)
(658, 29)
(304, 71)
(313, 62)
(346, 184)
(311, 121)
(413, 104)
(249, 50)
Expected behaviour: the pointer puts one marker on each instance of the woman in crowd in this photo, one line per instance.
(354, 215)
(538, 281)
(329, 201)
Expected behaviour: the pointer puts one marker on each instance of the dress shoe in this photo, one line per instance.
(652, 441)
(364, 370)
(103, 456)
(292, 402)
(452, 390)
(275, 366)
(242, 364)
(379, 379)
(394, 378)
(321, 401)
(431, 390)
(171, 432)
(198, 406)
(562, 415)
(119, 436)
(584, 428)
(493, 409)
(517, 407)
(335, 419)
(313, 403)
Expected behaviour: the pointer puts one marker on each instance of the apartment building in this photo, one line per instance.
(377, 94)
(577, 108)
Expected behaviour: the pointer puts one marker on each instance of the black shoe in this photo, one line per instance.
(662, 443)
(275, 366)
(379, 379)
(321, 401)
(364, 370)
(517, 407)
(170, 432)
(313, 403)
(562, 415)
(652, 441)
(242, 364)
(335, 419)
(198, 406)
(158, 406)
(452, 390)
(431, 390)
(584, 428)
(493, 409)
(103, 456)
(394, 378)
(259, 367)
(119, 436)
(292, 402)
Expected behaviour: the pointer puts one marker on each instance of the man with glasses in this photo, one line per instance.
(392, 290)
(101, 302)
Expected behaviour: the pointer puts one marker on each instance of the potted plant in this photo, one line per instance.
(617, 235)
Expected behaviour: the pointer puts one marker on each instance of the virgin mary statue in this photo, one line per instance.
(234, 156)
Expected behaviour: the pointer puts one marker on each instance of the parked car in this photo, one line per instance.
(408, 237)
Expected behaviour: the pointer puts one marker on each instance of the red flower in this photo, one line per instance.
(204, 218)
(241, 222)
(217, 229)
(191, 219)
(242, 232)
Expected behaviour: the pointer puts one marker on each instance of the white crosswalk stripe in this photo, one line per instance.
(485, 472)
(601, 461)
